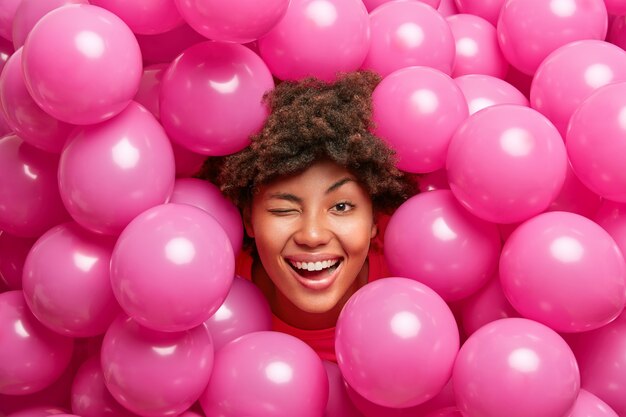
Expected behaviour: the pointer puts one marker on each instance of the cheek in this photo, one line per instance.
(355, 235)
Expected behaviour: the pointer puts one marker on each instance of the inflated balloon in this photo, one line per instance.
(416, 111)
(435, 180)
(238, 21)
(82, 64)
(483, 91)
(575, 197)
(570, 74)
(28, 14)
(519, 80)
(396, 341)
(595, 143)
(529, 30)
(372, 4)
(7, 14)
(30, 202)
(617, 31)
(155, 373)
(40, 411)
(558, 250)
(266, 374)
(90, 396)
(428, 231)
(409, 33)
(513, 355)
(6, 50)
(245, 310)
(447, 8)
(318, 38)
(207, 196)
(611, 216)
(71, 263)
(146, 17)
(13, 251)
(477, 48)
(588, 404)
(23, 115)
(445, 412)
(211, 97)
(339, 403)
(615, 7)
(164, 47)
(487, 9)
(33, 356)
(172, 267)
(112, 171)
(506, 163)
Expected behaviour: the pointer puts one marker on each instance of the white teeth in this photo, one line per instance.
(315, 266)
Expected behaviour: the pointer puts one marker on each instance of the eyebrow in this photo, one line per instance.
(296, 199)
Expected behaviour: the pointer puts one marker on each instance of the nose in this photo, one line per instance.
(312, 231)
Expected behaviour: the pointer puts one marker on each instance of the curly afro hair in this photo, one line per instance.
(311, 120)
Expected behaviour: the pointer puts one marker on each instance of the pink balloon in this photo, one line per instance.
(372, 4)
(594, 142)
(207, 196)
(73, 57)
(23, 115)
(612, 217)
(164, 47)
(409, 33)
(155, 373)
(266, 374)
(6, 50)
(445, 412)
(30, 202)
(187, 163)
(112, 171)
(486, 305)
(436, 180)
(7, 14)
(506, 163)
(28, 14)
(588, 405)
(519, 80)
(33, 356)
(477, 48)
(487, 9)
(39, 411)
(245, 310)
(529, 30)
(575, 197)
(615, 7)
(172, 267)
(429, 230)
(339, 403)
(147, 17)
(232, 21)
(510, 356)
(418, 99)
(90, 396)
(447, 8)
(211, 97)
(13, 251)
(483, 91)
(71, 263)
(558, 250)
(570, 74)
(396, 342)
(617, 32)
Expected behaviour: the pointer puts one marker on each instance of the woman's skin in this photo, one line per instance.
(320, 215)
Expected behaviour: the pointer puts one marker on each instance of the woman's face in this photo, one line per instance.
(312, 232)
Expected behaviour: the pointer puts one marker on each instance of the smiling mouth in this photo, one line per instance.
(315, 270)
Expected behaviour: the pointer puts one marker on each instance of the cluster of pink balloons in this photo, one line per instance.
(118, 293)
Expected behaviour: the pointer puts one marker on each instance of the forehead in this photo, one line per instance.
(320, 173)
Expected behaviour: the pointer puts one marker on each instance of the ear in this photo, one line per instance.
(374, 231)
(247, 221)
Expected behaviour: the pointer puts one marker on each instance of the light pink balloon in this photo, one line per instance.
(172, 267)
(506, 163)
(13, 251)
(558, 250)
(90, 396)
(510, 356)
(275, 369)
(211, 97)
(238, 21)
(484, 306)
(155, 373)
(483, 91)
(477, 48)
(7, 14)
(146, 17)
(112, 171)
(72, 59)
(33, 356)
(30, 202)
(570, 74)
(487, 9)
(575, 197)
(207, 196)
(164, 47)
(396, 341)
(432, 181)
(339, 403)
(71, 263)
(409, 33)
(28, 14)
(428, 231)
(23, 115)
(318, 38)
(588, 405)
(594, 142)
(416, 110)
(611, 216)
(529, 30)
(245, 310)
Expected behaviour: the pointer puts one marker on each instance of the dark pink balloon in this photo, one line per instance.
(445, 412)
(575, 197)
(146, 17)
(617, 32)
(487, 9)
(39, 411)
(164, 47)
(372, 4)
(611, 216)
(274, 369)
(482, 91)
(6, 50)
(13, 251)
(7, 14)
(33, 356)
(30, 202)
(436, 180)
(339, 403)
(447, 8)
(615, 7)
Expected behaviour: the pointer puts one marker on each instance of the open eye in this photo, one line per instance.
(343, 207)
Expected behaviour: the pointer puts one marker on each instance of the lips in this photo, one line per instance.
(317, 275)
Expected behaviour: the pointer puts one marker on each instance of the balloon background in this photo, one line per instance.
(117, 288)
